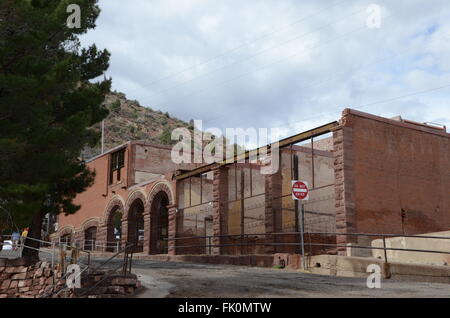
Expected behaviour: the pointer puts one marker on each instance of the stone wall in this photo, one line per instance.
(114, 286)
(18, 279)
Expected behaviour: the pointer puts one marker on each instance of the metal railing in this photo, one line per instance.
(245, 241)
(62, 248)
(125, 265)
(95, 245)
(20, 245)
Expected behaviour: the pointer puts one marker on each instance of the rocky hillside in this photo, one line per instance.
(128, 120)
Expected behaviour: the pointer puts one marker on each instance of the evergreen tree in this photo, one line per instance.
(48, 101)
(166, 136)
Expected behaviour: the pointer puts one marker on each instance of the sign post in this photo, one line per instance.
(300, 192)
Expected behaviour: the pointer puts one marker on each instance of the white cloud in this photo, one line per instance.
(288, 64)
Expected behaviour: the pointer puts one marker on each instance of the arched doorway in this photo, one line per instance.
(114, 229)
(159, 215)
(90, 238)
(136, 225)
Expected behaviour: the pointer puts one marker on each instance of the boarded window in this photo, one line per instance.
(116, 164)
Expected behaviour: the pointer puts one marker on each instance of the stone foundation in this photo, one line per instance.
(115, 286)
(19, 279)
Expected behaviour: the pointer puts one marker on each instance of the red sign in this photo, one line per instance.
(300, 190)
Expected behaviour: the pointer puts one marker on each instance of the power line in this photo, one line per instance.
(404, 96)
(305, 18)
(362, 106)
(383, 101)
(355, 70)
(271, 64)
(161, 92)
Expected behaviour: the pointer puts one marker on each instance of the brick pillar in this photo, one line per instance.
(220, 209)
(273, 209)
(147, 232)
(102, 235)
(344, 187)
(124, 237)
(172, 231)
(78, 239)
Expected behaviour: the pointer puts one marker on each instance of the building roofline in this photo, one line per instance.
(124, 145)
(131, 142)
(404, 123)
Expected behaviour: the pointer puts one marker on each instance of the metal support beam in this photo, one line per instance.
(319, 131)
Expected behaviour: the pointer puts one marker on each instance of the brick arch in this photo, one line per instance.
(66, 230)
(137, 194)
(112, 204)
(92, 222)
(160, 187)
(132, 221)
(161, 191)
(89, 237)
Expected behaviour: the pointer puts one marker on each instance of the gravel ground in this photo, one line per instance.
(186, 280)
(167, 279)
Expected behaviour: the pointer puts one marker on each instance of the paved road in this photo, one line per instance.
(167, 279)
(184, 280)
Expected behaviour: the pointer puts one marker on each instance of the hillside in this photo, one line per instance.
(128, 120)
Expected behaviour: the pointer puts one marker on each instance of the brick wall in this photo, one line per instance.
(273, 207)
(220, 209)
(391, 176)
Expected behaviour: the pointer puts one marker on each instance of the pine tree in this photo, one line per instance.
(166, 137)
(48, 101)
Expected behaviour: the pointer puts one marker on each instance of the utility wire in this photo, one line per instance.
(383, 101)
(305, 18)
(271, 64)
(404, 96)
(240, 61)
(344, 74)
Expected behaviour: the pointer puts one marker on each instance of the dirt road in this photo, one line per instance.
(167, 279)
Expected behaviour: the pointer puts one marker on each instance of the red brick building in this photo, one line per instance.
(367, 174)
(133, 187)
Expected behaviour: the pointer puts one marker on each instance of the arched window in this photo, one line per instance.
(90, 237)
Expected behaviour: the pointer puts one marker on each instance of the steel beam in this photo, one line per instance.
(319, 131)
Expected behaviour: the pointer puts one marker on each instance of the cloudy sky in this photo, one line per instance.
(289, 64)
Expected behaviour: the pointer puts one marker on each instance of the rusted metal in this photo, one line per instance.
(383, 236)
(242, 207)
(313, 164)
(319, 131)
(384, 247)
